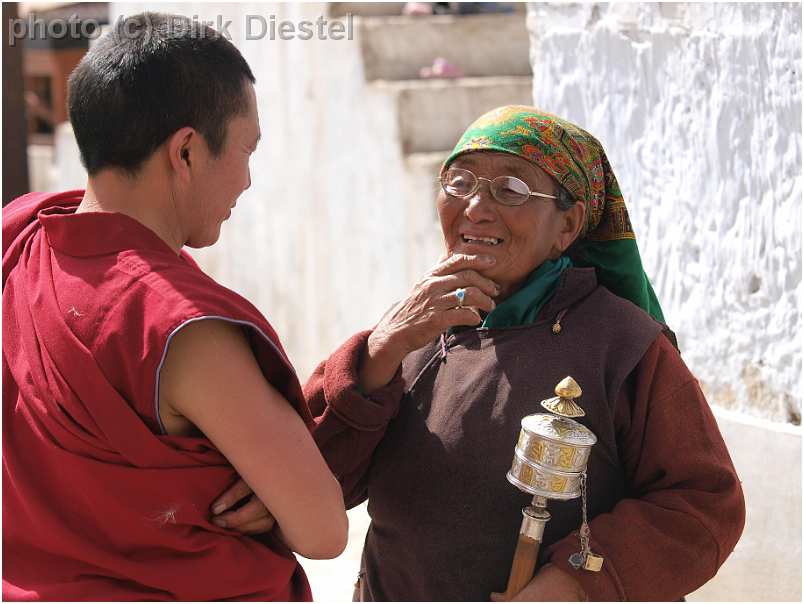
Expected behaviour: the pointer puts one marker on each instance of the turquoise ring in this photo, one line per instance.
(460, 293)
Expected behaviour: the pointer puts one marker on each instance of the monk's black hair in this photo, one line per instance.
(151, 75)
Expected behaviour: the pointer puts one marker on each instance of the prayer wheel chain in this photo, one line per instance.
(585, 558)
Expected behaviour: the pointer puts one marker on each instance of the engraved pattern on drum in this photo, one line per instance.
(566, 457)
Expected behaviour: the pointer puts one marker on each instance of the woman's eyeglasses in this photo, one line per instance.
(508, 190)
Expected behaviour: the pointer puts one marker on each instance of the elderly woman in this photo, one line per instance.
(543, 279)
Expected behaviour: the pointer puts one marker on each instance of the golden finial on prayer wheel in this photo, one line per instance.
(568, 388)
(563, 404)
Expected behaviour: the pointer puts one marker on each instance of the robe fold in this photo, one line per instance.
(98, 502)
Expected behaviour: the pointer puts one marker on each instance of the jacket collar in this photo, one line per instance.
(575, 285)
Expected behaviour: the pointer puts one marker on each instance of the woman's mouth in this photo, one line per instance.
(476, 239)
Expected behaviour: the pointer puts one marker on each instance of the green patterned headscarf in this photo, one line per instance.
(576, 160)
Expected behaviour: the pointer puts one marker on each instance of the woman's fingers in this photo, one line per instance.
(459, 316)
(458, 262)
(431, 306)
(473, 297)
(465, 278)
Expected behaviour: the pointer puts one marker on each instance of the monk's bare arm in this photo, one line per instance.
(211, 378)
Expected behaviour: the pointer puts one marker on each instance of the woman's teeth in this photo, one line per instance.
(484, 240)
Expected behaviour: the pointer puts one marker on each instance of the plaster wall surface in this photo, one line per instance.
(699, 109)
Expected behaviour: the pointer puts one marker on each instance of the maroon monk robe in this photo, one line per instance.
(98, 502)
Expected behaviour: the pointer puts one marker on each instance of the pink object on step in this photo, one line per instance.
(417, 8)
(441, 68)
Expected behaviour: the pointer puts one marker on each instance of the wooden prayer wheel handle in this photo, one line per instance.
(523, 566)
(527, 549)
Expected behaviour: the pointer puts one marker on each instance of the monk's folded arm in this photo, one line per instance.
(212, 378)
(684, 511)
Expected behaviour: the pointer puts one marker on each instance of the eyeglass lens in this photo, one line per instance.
(508, 190)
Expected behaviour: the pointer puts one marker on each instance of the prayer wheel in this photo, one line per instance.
(550, 460)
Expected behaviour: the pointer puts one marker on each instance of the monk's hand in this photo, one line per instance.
(551, 584)
(430, 309)
(251, 518)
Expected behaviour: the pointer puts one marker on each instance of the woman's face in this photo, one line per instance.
(520, 238)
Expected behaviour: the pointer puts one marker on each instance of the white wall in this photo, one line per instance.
(699, 109)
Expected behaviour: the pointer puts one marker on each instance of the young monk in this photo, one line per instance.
(135, 388)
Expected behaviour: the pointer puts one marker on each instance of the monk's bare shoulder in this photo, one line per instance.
(198, 352)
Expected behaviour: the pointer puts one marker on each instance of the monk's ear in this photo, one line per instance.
(182, 149)
(571, 223)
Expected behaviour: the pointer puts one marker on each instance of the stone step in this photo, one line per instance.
(376, 9)
(365, 9)
(433, 114)
(396, 48)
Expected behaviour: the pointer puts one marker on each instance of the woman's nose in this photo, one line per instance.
(480, 205)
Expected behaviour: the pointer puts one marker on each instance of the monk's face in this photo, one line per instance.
(224, 177)
(521, 237)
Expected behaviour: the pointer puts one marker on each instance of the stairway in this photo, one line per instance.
(492, 51)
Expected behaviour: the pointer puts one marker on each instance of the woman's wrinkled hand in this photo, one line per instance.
(550, 584)
(252, 518)
(429, 310)
(432, 307)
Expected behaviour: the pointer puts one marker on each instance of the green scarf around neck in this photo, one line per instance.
(524, 306)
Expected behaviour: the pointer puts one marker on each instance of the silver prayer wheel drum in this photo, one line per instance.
(556, 443)
(537, 480)
(552, 450)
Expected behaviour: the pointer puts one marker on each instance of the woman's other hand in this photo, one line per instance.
(430, 309)
(551, 584)
(251, 518)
